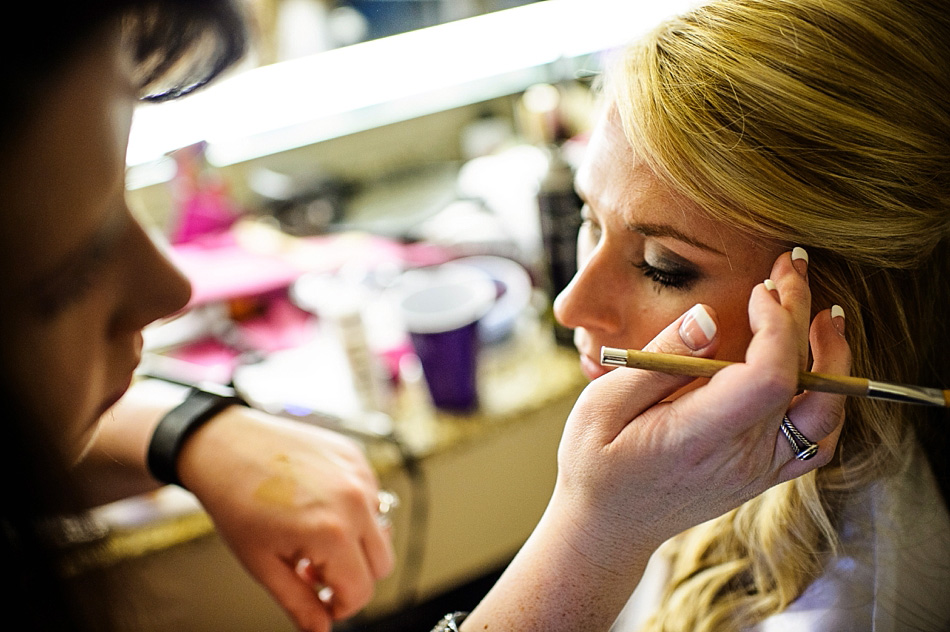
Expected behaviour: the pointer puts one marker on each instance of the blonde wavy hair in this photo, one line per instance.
(825, 124)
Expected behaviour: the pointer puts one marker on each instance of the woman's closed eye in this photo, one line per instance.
(668, 275)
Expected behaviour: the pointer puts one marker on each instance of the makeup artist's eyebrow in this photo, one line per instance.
(75, 263)
(665, 230)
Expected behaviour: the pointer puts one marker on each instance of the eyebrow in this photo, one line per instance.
(665, 230)
(76, 262)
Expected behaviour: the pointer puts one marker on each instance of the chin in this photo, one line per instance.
(78, 452)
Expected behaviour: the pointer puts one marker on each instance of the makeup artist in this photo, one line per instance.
(807, 142)
(81, 278)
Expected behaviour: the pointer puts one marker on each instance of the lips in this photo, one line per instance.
(125, 379)
(591, 368)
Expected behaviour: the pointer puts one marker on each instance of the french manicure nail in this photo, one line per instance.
(837, 318)
(769, 285)
(800, 260)
(698, 328)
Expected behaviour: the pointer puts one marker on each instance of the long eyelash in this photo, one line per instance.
(665, 278)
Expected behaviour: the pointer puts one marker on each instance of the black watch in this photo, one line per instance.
(177, 425)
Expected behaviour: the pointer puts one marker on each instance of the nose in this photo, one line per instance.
(592, 300)
(155, 287)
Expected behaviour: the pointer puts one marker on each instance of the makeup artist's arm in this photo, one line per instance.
(633, 473)
(278, 491)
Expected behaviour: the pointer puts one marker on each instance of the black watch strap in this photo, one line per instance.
(176, 426)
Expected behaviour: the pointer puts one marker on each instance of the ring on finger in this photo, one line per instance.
(388, 501)
(801, 447)
(304, 568)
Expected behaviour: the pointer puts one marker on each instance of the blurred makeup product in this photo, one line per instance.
(341, 306)
(560, 217)
(542, 121)
(839, 384)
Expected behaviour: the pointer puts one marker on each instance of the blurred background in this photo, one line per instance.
(376, 210)
(293, 28)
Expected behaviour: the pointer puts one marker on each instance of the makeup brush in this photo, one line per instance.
(840, 384)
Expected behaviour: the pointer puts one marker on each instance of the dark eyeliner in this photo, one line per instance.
(673, 276)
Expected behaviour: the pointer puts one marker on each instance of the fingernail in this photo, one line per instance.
(698, 328)
(800, 260)
(769, 285)
(837, 318)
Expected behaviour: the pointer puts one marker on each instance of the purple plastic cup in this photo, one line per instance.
(441, 308)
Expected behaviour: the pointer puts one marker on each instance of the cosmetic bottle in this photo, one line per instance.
(544, 122)
(559, 210)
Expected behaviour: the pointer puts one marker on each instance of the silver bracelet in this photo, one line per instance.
(450, 622)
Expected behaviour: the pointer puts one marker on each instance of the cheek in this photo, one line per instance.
(59, 373)
(732, 309)
(652, 313)
(736, 336)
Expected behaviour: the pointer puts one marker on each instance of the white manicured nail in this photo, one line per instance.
(799, 254)
(698, 328)
(837, 318)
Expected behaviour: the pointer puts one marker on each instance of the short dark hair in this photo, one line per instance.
(177, 45)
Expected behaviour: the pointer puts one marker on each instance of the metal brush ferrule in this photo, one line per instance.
(906, 394)
(610, 356)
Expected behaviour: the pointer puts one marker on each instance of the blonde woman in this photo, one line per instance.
(824, 124)
(731, 135)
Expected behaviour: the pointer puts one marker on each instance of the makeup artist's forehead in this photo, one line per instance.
(62, 178)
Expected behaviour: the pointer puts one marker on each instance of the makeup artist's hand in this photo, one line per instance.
(634, 470)
(638, 470)
(297, 504)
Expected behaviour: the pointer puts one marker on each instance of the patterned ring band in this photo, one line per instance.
(801, 447)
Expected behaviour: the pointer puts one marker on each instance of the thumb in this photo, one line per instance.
(693, 333)
(626, 393)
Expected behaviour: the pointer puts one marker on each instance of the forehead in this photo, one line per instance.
(619, 185)
(614, 176)
(60, 175)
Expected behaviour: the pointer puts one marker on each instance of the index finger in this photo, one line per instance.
(740, 397)
(298, 598)
(789, 277)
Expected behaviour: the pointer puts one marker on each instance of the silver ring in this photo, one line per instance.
(802, 447)
(304, 570)
(388, 501)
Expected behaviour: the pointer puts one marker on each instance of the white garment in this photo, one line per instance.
(892, 573)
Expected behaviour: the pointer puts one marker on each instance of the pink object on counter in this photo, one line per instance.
(221, 267)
